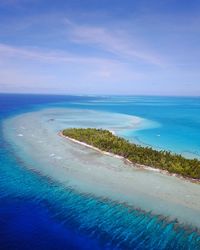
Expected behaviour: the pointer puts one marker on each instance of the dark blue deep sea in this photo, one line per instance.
(37, 213)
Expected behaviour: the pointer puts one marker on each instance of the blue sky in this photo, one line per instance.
(125, 47)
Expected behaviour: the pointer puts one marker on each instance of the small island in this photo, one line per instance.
(106, 141)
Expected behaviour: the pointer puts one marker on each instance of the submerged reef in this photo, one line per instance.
(165, 160)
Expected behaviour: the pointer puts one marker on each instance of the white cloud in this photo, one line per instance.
(116, 42)
(48, 56)
(34, 70)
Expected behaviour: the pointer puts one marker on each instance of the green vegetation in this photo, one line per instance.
(106, 141)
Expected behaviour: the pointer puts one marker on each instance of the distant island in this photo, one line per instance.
(104, 140)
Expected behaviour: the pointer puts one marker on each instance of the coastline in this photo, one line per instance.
(165, 172)
(90, 172)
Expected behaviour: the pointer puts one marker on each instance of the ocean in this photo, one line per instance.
(38, 211)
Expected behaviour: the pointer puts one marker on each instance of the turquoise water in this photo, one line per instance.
(178, 119)
(37, 212)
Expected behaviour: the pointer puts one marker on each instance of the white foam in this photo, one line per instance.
(100, 175)
(58, 157)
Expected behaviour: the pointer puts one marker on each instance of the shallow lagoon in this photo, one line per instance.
(34, 138)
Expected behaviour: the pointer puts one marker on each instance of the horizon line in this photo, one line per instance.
(97, 95)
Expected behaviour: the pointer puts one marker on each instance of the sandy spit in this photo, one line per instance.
(129, 162)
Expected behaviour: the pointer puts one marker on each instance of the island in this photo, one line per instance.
(106, 141)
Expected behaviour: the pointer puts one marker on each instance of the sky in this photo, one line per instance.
(129, 47)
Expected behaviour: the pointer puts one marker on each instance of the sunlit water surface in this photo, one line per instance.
(58, 195)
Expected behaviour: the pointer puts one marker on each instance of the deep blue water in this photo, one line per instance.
(37, 213)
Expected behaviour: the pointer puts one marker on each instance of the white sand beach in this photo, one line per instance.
(89, 171)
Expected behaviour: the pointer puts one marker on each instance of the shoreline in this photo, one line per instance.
(90, 172)
(136, 165)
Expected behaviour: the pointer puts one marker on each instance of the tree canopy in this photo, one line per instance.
(165, 160)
